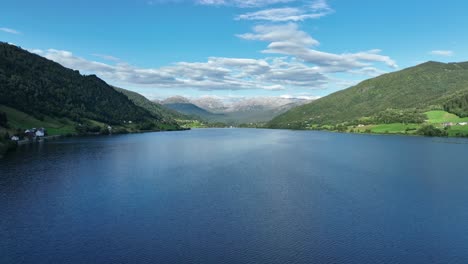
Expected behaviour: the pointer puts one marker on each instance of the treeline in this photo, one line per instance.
(390, 116)
(458, 106)
(41, 87)
(3, 120)
(431, 131)
(151, 106)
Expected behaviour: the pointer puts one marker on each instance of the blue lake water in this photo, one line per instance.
(236, 196)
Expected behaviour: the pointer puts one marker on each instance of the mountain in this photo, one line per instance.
(233, 111)
(44, 92)
(275, 104)
(427, 86)
(177, 99)
(210, 103)
(260, 109)
(186, 107)
(152, 106)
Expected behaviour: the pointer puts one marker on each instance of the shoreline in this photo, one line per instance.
(13, 145)
(5, 151)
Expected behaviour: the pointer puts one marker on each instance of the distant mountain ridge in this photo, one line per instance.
(426, 86)
(177, 99)
(185, 107)
(238, 111)
(151, 106)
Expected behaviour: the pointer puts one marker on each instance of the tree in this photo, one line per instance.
(431, 131)
(3, 120)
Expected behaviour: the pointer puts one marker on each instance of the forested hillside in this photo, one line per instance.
(152, 107)
(44, 89)
(458, 105)
(427, 86)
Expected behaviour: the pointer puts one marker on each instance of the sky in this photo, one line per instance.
(234, 48)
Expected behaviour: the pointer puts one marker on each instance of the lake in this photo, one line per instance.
(236, 196)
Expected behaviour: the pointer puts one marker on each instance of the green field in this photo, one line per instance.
(394, 128)
(435, 118)
(439, 117)
(191, 123)
(456, 131)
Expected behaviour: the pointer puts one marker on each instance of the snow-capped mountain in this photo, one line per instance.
(236, 110)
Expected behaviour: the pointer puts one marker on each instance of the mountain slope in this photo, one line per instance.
(421, 87)
(458, 105)
(235, 112)
(45, 89)
(152, 107)
(184, 106)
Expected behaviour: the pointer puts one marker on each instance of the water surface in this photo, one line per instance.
(236, 196)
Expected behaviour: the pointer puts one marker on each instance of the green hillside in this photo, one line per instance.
(414, 90)
(35, 91)
(151, 106)
(18, 119)
(183, 120)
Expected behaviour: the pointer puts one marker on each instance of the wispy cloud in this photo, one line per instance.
(289, 40)
(287, 33)
(242, 3)
(10, 30)
(315, 10)
(445, 53)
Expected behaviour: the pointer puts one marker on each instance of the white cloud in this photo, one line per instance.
(320, 5)
(10, 30)
(315, 10)
(289, 40)
(288, 34)
(280, 15)
(445, 53)
(242, 3)
(216, 74)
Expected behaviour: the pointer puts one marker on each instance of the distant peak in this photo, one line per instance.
(176, 100)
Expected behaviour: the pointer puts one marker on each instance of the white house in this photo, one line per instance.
(14, 138)
(40, 132)
(447, 124)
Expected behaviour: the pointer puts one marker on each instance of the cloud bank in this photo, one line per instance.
(289, 40)
(216, 74)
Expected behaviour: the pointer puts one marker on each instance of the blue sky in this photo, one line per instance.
(233, 48)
